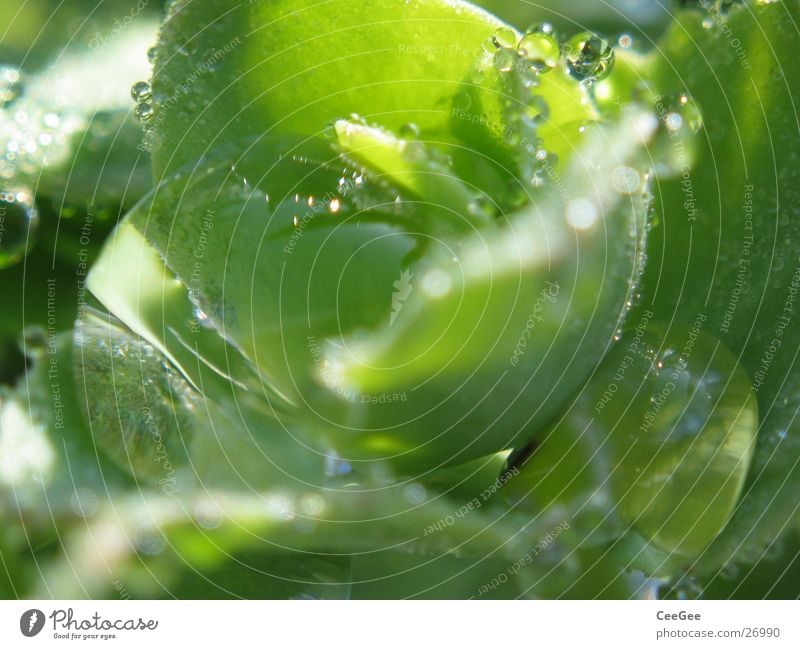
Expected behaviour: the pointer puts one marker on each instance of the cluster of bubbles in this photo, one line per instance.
(142, 94)
(586, 56)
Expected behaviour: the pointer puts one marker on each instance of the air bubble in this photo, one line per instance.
(19, 221)
(588, 56)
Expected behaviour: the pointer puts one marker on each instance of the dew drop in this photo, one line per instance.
(140, 91)
(150, 543)
(683, 106)
(582, 214)
(625, 41)
(504, 38)
(588, 56)
(415, 494)
(143, 111)
(19, 221)
(152, 54)
(540, 50)
(626, 180)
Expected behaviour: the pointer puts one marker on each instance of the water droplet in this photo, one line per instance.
(409, 131)
(19, 221)
(582, 214)
(588, 56)
(150, 543)
(143, 111)
(543, 28)
(152, 54)
(681, 110)
(626, 180)
(540, 50)
(415, 494)
(504, 38)
(625, 41)
(140, 91)
(679, 120)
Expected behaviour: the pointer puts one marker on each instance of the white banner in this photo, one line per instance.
(352, 625)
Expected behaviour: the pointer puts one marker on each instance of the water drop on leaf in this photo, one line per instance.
(588, 56)
(143, 111)
(540, 50)
(140, 91)
(504, 38)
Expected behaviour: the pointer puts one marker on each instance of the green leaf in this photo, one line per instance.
(728, 238)
(295, 67)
